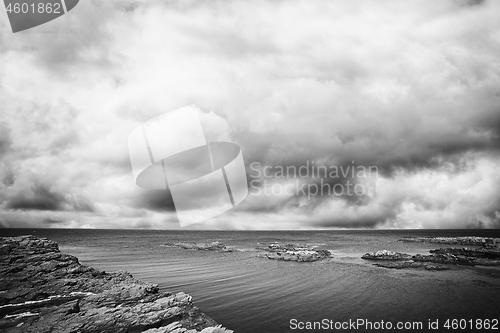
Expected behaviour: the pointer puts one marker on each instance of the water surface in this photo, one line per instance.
(250, 294)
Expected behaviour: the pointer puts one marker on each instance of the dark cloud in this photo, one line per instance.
(9, 178)
(361, 222)
(5, 139)
(156, 200)
(41, 197)
(52, 221)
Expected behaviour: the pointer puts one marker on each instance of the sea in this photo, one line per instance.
(251, 294)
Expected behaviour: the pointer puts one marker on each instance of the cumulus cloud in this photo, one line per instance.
(408, 87)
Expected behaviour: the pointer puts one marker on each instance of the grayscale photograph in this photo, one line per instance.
(236, 166)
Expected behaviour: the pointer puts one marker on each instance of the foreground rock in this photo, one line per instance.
(386, 255)
(44, 290)
(293, 252)
(214, 246)
(469, 240)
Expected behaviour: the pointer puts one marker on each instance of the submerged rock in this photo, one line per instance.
(43, 290)
(213, 246)
(293, 252)
(411, 264)
(467, 240)
(386, 255)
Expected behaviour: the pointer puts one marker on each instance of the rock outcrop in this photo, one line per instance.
(469, 252)
(386, 255)
(213, 246)
(468, 240)
(44, 290)
(451, 259)
(411, 264)
(439, 259)
(293, 252)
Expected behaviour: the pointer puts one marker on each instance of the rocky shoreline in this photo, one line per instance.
(467, 240)
(488, 254)
(44, 290)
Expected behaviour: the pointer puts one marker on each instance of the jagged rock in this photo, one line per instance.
(386, 255)
(213, 246)
(176, 328)
(292, 252)
(443, 259)
(448, 258)
(43, 290)
(468, 240)
(469, 252)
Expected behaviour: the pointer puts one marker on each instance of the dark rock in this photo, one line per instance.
(411, 264)
(487, 242)
(44, 290)
(386, 255)
(452, 259)
(469, 252)
(483, 256)
(444, 259)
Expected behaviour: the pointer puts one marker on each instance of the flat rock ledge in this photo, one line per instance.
(487, 242)
(439, 259)
(44, 290)
(294, 252)
(413, 265)
(386, 255)
(213, 246)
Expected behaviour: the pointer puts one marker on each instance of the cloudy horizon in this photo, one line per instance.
(410, 88)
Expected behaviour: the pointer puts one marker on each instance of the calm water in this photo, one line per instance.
(253, 295)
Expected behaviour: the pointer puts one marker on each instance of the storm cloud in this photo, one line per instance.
(408, 87)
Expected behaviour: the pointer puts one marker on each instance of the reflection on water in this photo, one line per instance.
(250, 294)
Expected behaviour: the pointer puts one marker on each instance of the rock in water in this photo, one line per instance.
(44, 290)
(486, 242)
(213, 246)
(468, 252)
(411, 264)
(293, 252)
(449, 258)
(386, 255)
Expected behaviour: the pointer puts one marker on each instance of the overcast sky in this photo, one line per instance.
(410, 87)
